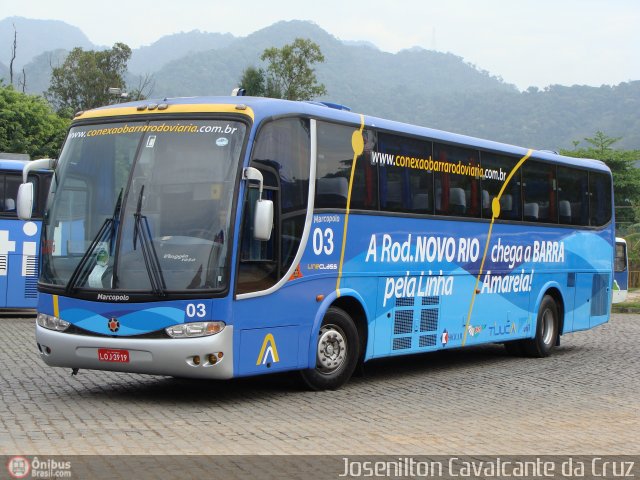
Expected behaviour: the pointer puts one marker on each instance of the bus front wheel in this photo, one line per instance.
(546, 330)
(337, 352)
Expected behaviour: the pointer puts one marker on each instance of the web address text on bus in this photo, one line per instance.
(160, 128)
(431, 165)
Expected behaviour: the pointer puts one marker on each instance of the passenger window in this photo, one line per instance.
(457, 181)
(573, 190)
(539, 193)
(496, 170)
(620, 263)
(406, 184)
(333, 169)
(600, 199)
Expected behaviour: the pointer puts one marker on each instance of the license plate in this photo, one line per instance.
(111, 355)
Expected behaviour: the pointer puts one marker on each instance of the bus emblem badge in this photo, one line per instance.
(113, 324)
(268, 349)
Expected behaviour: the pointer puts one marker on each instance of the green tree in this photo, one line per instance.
(602, 142)
(289, 72)
(253, 81)
(29, 125)
(83, 80)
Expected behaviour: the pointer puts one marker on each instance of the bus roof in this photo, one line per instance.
(12, 164)
(260, 108)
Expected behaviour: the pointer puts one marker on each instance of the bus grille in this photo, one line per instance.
(599, 294)
(427, 340)
(404, 302)
(407, 313)
(31, 287)
(403, 322)
(429, 320)
(430, 300)
(401, 343)
(31, 266)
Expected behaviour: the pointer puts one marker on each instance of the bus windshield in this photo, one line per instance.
(143, 206)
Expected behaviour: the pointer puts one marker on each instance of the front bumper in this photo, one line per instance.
(171, 356)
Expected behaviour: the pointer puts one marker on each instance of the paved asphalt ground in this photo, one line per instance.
(583, 400)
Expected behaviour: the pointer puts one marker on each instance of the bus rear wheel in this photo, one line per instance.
(337, 352)
(546, 330)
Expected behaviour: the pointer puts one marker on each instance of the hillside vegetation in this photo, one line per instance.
(430, 88)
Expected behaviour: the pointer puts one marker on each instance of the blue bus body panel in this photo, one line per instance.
(421, 276)
(19, 244)
(19, 250)
(416, 303)
(133, 318)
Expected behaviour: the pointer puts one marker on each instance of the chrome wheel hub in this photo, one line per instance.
(547, 327)
(332, 348)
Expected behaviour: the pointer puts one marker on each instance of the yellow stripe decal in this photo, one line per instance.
(495, 213)
(357, 143)
(56, 309)
(173, 108)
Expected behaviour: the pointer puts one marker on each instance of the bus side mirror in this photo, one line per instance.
(24, 205)
(263, 220)
(25, 198)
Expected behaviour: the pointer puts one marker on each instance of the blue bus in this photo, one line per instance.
(233, 236)
(19, 241)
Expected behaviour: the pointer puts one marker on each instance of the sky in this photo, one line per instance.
(526, 42)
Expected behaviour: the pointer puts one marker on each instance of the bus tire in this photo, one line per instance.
(546, 330)
(337, 352)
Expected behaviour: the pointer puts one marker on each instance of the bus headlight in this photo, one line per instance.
(52, 323)
(194, 329)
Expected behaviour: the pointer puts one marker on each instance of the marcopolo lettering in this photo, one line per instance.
(113, 298)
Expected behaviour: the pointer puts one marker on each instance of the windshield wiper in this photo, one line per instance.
(105, 233)
(151, 261)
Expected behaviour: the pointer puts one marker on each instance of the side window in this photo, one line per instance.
(405, 183)
(45, 185)
(333, 171)
(620, 264)
(12, 182)
(600, 199)
(364, 192)
(496, 169)
(538, 186)
(3, 195)
(281, 152)
(9, 184)
(457, 181)
(573, 188)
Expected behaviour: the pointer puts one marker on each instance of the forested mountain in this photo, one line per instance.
(34, 37)
(149, 59)
(420, 86)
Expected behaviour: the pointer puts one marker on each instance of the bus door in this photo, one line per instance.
(620, 272)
